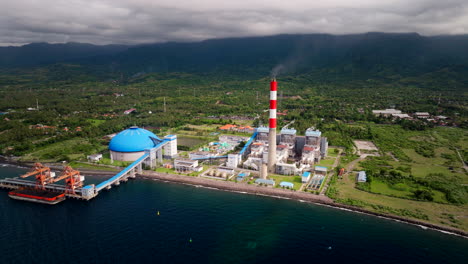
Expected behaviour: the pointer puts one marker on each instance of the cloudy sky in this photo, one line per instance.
(146, 21)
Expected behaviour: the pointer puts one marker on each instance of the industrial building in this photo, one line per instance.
(131, 144)
(305, 176)
(424, 115)
(288, 185)
(386, 112)
(362, 176)
(265, 182)
(292, 156)
(182, 165)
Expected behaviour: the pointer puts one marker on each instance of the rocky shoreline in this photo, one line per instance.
(287, 194)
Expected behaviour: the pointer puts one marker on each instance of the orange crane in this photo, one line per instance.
(42, 174)
(72, 179)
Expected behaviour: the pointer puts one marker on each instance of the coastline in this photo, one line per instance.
(257, 190)
(292, 195)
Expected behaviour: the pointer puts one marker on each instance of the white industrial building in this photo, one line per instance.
(386, 112)
(183, 165)
(294, 154)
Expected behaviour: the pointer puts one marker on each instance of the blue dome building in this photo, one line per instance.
(130, 144)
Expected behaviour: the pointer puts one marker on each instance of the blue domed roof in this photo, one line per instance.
(133, 139)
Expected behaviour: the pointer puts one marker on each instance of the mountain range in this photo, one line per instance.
(361, 55)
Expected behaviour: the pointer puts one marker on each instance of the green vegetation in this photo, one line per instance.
(165, 170)
(296, 180)
(385, 209)
(81, 165)
(419, 172)
(426, 169)
(404, 182)
(327, 162)
(67, 150)
(345, 191)
(96, 122)
(186, 142)
(333, 152)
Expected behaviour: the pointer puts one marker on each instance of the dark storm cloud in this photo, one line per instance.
(143, 21)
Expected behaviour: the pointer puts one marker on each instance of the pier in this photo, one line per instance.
(151, 158)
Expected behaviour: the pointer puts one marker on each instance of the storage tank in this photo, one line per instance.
(130, 144)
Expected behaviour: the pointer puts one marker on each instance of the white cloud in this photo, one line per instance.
(143, 21)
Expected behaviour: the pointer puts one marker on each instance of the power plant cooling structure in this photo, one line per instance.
(272, 131)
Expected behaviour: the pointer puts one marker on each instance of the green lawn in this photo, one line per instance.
(165, 170)
(296, 180)
(326, 163)
(80, 165)
(331, 152)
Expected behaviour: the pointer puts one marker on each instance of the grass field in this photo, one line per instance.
(71, 149)
(296, 180)
(165, 170)
(402, 190)
(422, 166)
(190, 141)
(435, 212)
(328, 162)
(396, 197)
(81, 165)
(331, 152)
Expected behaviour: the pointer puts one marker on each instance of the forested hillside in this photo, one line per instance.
(360, 56)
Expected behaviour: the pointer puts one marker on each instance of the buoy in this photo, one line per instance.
(158, 212)
(329, 248)
(190, 240)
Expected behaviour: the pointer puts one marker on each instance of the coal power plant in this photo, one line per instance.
(285, 153)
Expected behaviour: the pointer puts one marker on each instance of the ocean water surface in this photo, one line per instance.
(199, 225)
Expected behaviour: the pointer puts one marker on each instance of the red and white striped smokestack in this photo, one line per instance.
(273, 89)
(272, 130)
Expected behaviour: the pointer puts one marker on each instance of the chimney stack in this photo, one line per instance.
(272, 131)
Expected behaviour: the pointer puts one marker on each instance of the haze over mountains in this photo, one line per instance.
(364, 55)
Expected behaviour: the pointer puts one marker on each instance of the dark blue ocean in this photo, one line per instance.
(198, 225)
